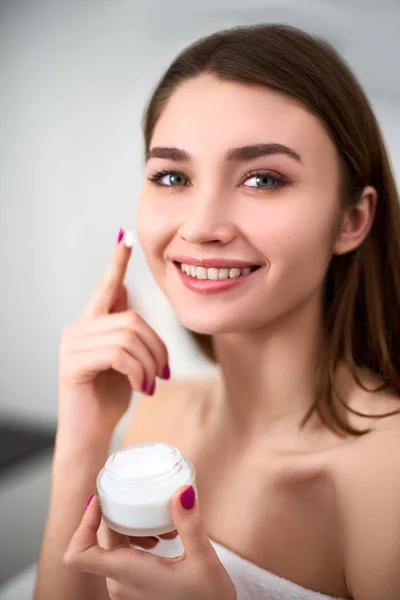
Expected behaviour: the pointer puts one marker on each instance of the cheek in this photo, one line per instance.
(294, 239)
(155, 229)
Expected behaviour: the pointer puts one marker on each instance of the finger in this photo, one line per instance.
(83, 547)
(190, 526)
(108, 538)
(91, 362)
(130, 320)
(170, 535)
(121, 301)
(129, 340)
(150, 338)
(84, 553)
(147, 542)
(108, 289)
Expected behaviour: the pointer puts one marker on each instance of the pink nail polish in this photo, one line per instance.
(187, 498)
(144, 385)
(152, 389)
(166, 372)
(120, 235)
(89, 500)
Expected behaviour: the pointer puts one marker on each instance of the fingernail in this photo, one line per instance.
(166, 372)
(144, 385)
(120, 235)
(89, 500)
(187, 498)
(152, 389)
(128, 238)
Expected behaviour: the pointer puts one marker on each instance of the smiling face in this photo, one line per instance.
(277, 210)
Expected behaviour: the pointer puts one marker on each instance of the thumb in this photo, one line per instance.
(188, 522)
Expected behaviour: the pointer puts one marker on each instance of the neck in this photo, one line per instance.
(267, 376)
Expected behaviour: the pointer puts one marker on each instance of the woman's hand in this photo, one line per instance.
(104, 355)
(133, 574)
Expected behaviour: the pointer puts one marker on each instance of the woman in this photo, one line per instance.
(270, 219)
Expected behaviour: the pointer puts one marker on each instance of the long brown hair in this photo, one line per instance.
(362, 287)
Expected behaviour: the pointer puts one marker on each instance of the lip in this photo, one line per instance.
(214, 262)
(208, 286)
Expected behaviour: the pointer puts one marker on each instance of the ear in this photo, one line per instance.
(356, 222)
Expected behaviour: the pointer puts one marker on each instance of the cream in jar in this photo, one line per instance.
(137, 484)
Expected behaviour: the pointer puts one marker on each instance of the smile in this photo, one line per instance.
(214, 273)
(210, 280)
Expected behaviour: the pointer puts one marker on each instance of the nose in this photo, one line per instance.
(207, 221)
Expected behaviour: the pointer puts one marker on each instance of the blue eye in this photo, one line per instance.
(173, 174)
(176, 180)
(263, 177)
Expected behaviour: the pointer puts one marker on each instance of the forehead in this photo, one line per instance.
(207, 114)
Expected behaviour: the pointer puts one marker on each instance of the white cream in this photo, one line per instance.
(137, 484)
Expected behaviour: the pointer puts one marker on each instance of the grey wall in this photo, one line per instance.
(74, 78)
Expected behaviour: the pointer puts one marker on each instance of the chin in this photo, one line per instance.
(210, 324)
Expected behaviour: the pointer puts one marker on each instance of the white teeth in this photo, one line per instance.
(234, 273)
(213, 273)
(201, 273)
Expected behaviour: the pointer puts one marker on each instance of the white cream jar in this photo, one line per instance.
(137, 484)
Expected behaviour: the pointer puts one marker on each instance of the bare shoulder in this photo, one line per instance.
(369, 504)
(370, 455)
(178, 406)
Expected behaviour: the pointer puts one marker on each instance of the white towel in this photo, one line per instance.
(251, 581)
(254, 583)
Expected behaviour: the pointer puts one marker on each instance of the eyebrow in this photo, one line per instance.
(241, 154)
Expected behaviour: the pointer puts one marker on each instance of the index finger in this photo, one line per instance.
(85, 554)
(107, 290)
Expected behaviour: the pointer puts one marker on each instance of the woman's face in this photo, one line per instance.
(274, 210)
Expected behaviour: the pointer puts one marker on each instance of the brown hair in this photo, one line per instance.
(362, 287)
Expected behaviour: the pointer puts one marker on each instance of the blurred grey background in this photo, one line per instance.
(74, 79)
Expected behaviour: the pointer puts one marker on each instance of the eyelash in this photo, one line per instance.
(280, 179)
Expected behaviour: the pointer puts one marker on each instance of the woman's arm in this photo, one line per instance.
(74, 479)
(105, 354)
(74, 475)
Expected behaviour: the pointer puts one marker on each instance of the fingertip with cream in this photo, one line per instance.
(128, 238)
